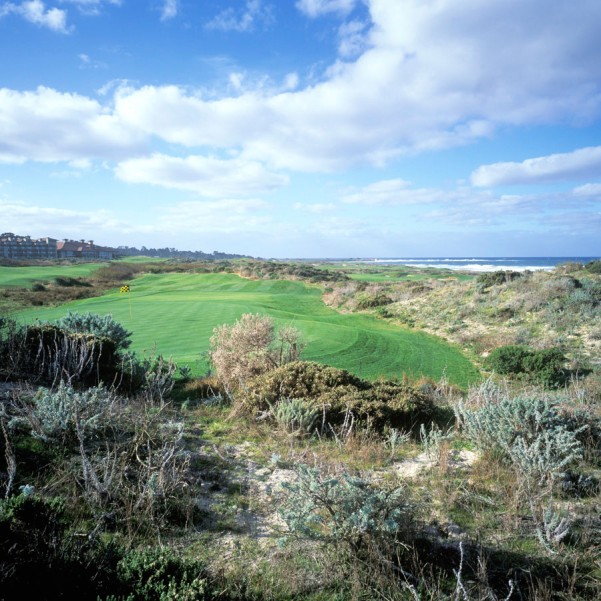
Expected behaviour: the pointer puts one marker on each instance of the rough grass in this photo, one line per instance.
(176, 314)
(26, 276)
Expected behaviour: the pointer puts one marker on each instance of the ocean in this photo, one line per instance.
(484, 263)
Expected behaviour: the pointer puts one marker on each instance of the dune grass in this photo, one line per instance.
(25, 277)
(175, 314)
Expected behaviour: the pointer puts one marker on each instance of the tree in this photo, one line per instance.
(250, 347)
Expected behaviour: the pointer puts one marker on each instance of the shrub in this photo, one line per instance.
(369, 301)
(508, 359)
(296, 416)
(530, 434)
(49, 354)
(542, 366)
(299, 379)
(344, 511)
(159, 575)
(335, 392)
(593, 266)
(496, 278)
(545, 366)
(102, 326)
(251, 347)
(56, 415)
(68, 282)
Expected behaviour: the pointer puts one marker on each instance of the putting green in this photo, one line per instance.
(176, 313)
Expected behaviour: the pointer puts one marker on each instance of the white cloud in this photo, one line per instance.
(207, 176)
(434, 75)
(317, 207)
(170, 9)
(393, 192)
(317, 8)
(244, 20)
(579, 164)
(45, 125)
(224, 216)
(588, 190)
(353, 39)
(46, 221)
(35, 12)
(91, 7)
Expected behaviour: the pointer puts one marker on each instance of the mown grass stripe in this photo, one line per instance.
(176, 313)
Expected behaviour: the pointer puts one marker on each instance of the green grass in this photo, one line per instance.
(24, 277)
(176, 314)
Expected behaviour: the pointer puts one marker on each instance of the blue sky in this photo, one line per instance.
(304, 128)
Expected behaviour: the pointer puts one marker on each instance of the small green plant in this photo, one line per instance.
(296, 416)
(160, 575)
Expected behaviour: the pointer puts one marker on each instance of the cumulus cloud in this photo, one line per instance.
(35, 12)
(207, 176)
(430, 76)
(579, 164)
(317, 8)
(353, 39)
(46, 125)
(254, 13)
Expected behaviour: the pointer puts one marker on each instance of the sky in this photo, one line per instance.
(304, 128)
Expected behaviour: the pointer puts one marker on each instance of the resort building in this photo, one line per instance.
(25, 247)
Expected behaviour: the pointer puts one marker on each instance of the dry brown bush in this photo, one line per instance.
(250, 347)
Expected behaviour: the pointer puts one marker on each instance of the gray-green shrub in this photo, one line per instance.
(54, 414)
(103, 326)
(344, 510)
(529, 433)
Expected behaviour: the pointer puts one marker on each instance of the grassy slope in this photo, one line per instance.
(177, 313)
(26, 276)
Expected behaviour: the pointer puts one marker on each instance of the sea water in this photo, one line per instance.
(484, 263)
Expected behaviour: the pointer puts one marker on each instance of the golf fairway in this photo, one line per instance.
(174, 315)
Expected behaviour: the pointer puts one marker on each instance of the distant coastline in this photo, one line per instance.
(480, 263)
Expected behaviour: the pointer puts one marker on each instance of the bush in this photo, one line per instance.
(541, 366)
(251, 347)
(336, 392)
(496, 278)
(296, 415)
(49, 354)
(102, 326)
(530, 434)
(508, 359)
(159, 575)
(56, 415)
(344, 511)
(593, 266)
(369, 301)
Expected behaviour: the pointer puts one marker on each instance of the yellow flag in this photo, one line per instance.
(125, 288)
